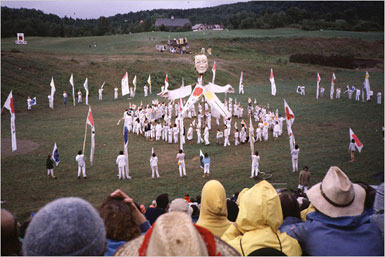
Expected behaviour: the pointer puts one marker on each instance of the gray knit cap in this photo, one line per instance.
(66, 226)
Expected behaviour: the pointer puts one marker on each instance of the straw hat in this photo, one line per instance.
(337, 196)
(174, 234)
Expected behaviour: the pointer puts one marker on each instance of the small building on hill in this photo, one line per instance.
(202, 27)
(171, 23)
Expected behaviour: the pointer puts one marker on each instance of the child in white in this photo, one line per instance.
(190, 133)
(352, 149)
(158, 129)
(276, 130)
(121, 162)
(236, 137)
(259, 133)
(255, 165)
(206, 167)
(154, 165)
(206, 135)
(199, 135)
(145, 88)
(379, 98)
(81, 164)
(294, 158)
(79, 96)
(181, 164)
(241, 90)
(170, 135)
(100, 91)
(29, 103)
(338, 92)
(116, 93)
(208, 120)
(175, 132)
(226, 134)
(358, 93)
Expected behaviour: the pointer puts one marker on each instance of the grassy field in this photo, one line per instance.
(321, 127)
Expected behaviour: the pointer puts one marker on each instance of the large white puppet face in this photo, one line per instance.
(201, 63)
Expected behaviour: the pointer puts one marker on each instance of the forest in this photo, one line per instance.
(325, 15)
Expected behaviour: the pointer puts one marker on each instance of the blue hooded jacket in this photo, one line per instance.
(349, 235)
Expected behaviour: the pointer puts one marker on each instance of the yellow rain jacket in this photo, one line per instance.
(260, 215)
(213, 212)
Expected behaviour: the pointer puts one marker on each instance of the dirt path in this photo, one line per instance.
(23, 147)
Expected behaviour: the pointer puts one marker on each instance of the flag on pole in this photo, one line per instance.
(152, 150)
(214, 69)
(125, 89)
(251, 135)
(201, 156)
(166, 82)
(85, 85)
(134, 83)
(272, 81)
(289, 114)
(149, 81)
(73, 88)
(90, 121)
(357, 142)
(367, 86)
(9, 105)
(126, 151)
(55, 155)
(102, 87)
(33, 101)
(291, 138)
(240, 82)
(332, 86)
(318, 81)
(53, 90)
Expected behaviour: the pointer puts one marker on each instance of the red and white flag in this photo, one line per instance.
(289, 114)
(272, 81)
(318, 81)
(357, 142)
(90, 121)
(332, 86)
(214, 69)
(124, 84)
(166, 82)
(9, 105)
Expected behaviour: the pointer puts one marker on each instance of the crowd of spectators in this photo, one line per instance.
(334, 217)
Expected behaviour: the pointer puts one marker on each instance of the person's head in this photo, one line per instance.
(336, 195)
(289, 204)
(66, 226)
(370, 194)
(353, 141)
(162, 201)
(296, 147)
(121, 152)
(306, 168)
(201, 63)
(10, 244)
(256, 153)
(181, 205)
(180, 151)
(153, 154)
(80, 152)
(49, 156)
(206, 155)
(118, 219)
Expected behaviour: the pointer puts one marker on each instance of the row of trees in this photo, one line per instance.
(354, 16)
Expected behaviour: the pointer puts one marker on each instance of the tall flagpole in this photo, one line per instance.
(85, 135)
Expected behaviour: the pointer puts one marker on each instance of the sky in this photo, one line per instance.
(86, 9)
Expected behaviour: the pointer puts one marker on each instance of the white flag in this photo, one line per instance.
(332, 86)
(53, 90)
(149, 82)
(240, 82)
(318, 81)
(272, 81)
(214, 69)
(85, 85)
(134, 83)
(90, 121)
(9, 105)
(73, 88)
(125, 89)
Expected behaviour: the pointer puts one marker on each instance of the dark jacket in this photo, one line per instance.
(349, 235)
(49, 164)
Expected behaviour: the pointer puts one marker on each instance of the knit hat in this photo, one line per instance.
(66, 226)
(182, 205)
(174, 234)
(336, 195)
